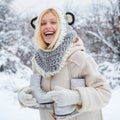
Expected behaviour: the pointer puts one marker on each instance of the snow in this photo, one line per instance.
(12, 110)
(10, 107)
(112, 110)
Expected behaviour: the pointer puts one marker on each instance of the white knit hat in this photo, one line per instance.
(62, 19)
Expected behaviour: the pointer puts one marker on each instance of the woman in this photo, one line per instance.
(61, 58)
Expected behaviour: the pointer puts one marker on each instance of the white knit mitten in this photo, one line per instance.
(25, 97)
(65, 97)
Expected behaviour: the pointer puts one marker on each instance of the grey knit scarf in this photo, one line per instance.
(50, 61)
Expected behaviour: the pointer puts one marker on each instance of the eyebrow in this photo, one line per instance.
(49, 19)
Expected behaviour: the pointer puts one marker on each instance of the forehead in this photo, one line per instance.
(50, 14)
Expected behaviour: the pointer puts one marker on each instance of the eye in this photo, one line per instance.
(53, 22)
(43, 23)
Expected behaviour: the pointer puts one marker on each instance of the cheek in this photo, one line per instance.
(56, 27)
(41, 31)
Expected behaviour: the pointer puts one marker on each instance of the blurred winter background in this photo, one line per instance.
(97, 23)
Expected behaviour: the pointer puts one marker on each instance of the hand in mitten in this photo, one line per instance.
(65, 97)
(25, 98)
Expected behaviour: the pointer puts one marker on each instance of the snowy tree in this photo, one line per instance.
(101, 30)
(15, 38)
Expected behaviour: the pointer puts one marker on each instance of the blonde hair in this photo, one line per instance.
(38, 37)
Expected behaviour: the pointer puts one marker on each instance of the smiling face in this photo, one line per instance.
(49, 26)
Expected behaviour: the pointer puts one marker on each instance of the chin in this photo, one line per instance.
(48, 41)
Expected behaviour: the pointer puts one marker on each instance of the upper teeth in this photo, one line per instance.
(48, 33)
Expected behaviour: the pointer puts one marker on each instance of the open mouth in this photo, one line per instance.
(49, 36)
(49, 33)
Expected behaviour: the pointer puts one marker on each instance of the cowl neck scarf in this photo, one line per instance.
(50, 62)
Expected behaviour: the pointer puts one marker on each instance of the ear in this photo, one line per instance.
(70, 18)
(33, 21)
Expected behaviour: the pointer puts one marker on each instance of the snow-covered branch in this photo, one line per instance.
(101, 37)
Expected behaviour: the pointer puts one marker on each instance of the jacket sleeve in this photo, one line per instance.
(97, 94)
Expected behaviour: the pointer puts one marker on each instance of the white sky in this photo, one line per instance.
(28, 6)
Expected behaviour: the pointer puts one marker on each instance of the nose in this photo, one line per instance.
(48, 25)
